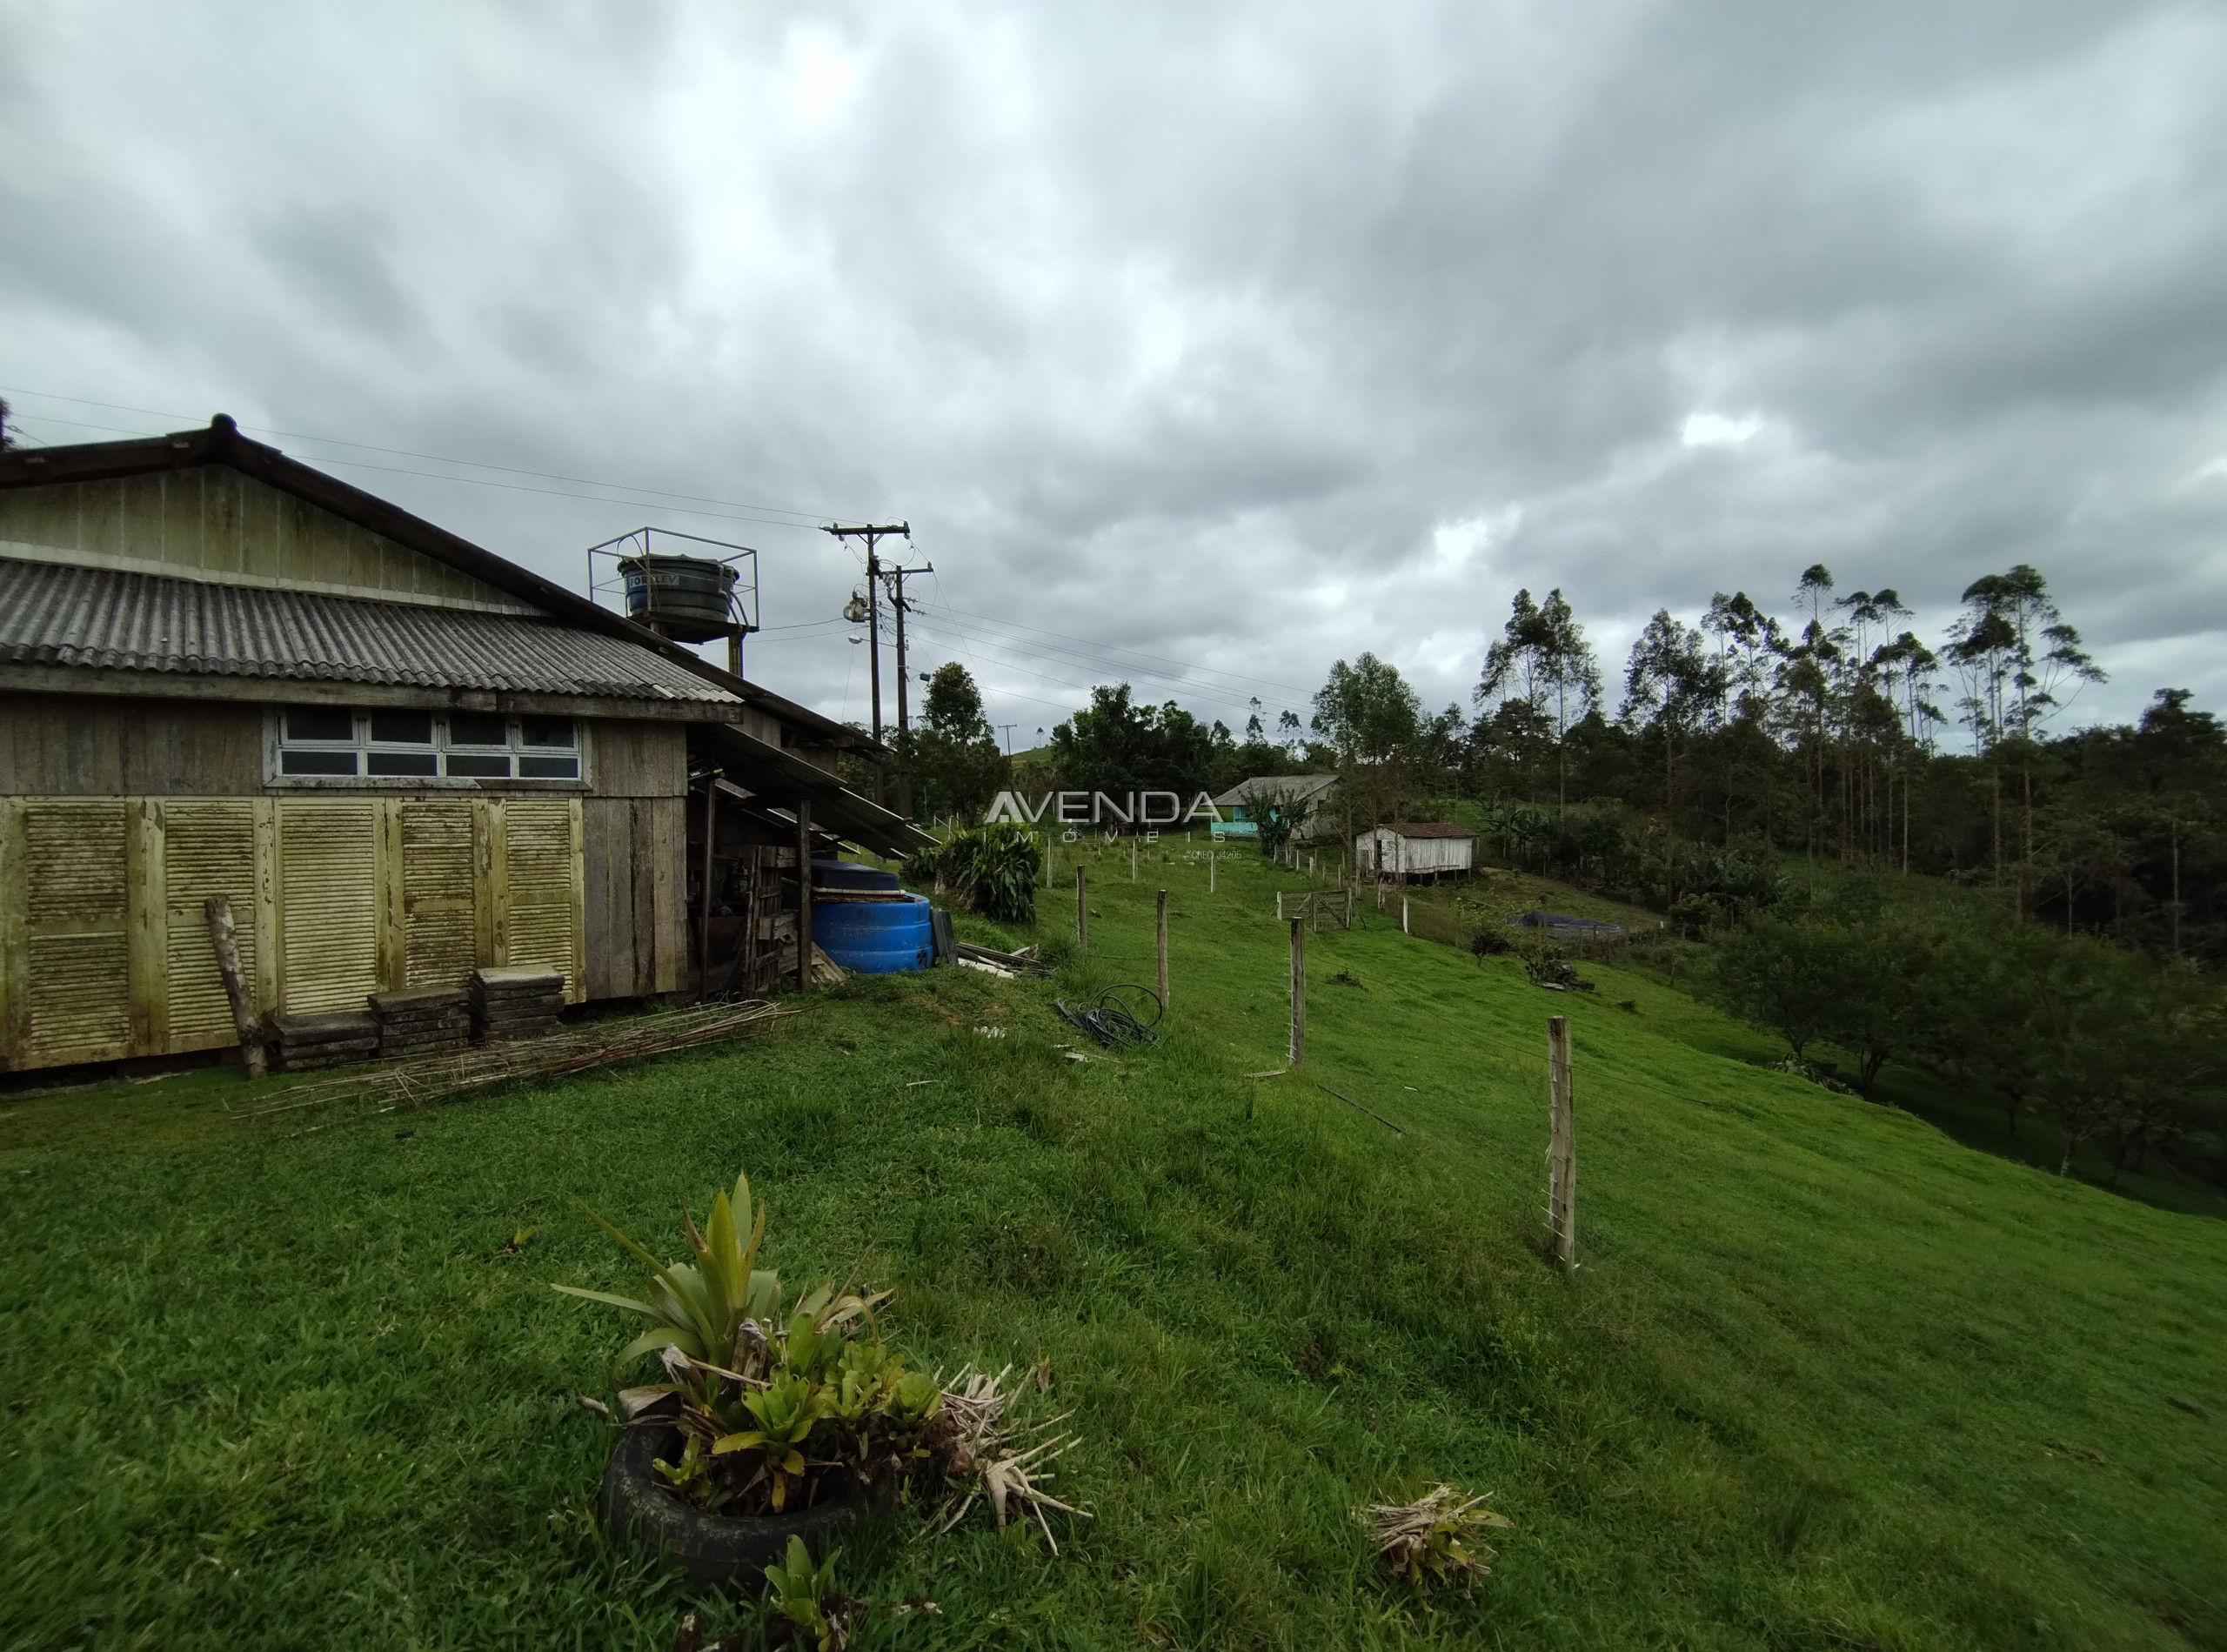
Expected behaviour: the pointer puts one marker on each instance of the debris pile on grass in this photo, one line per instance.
(1436, 1539)
(980, 1448)
(423, 1079)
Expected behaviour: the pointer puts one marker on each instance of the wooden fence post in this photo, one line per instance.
(803, 894)
(1082, 916)
(1403, 917)
(1132, 860)
(224, 937)
(1298, 991)
(1350, 906)
(1561, 1152)
(1210, 872)
(1163, 951)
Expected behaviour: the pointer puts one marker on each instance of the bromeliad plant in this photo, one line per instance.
(773, 1408)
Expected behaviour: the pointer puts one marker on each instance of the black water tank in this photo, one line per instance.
(689, 599)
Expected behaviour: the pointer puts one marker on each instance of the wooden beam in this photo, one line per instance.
(224, 937)
(804, 896)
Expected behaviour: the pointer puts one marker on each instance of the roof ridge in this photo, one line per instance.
(221, 443)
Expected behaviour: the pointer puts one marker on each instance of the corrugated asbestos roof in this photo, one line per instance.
(1419, 829)
(1297, 787)
(56, 614)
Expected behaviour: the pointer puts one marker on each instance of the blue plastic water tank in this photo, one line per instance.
(849, 874)
(874, 937)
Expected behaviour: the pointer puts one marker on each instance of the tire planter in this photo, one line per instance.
(713, 1551)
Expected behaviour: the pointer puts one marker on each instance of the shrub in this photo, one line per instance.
(992, 870)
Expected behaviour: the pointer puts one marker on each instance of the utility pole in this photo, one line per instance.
(1008, 728)
(873, 534)
(897, 577)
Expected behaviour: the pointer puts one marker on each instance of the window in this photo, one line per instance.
(322, 742)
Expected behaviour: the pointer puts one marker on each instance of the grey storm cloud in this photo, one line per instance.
(1239, 339)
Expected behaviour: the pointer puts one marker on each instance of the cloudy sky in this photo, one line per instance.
(1200, 345)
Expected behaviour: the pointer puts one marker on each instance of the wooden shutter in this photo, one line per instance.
(329, 865)
(438, 926)
(208, 849)
(543, 886)
(67, 946)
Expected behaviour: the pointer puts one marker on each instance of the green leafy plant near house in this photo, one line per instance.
(1278, 814)
(992, 869)
(778, 1404)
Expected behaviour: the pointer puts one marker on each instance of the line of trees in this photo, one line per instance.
(2115, 1049)
(2076, 977)
(1825, 731)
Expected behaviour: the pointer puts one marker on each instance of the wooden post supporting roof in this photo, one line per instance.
(804, 895)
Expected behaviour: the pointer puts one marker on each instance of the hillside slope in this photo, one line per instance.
(1825, 1378)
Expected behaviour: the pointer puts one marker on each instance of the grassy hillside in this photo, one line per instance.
(1826, 1377)
(1977, 1119)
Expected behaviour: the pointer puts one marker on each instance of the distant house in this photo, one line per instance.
(399, 758)
(1416, 849)
(1315, 791)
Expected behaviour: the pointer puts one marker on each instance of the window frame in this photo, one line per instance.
(362, 748)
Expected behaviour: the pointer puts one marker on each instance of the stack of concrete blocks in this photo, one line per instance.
(427, 1021)
(516, 1003)
(306, 1042)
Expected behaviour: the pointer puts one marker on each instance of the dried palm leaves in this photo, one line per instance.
(1436, 1539)
(985, 1454)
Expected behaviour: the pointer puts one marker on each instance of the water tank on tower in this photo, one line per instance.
(689, 599)
(692, 594)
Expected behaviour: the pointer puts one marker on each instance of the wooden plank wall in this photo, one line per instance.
(434, 870)
(104, 949)
(633, 872)
(67, 745)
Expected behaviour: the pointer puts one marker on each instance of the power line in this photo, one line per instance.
(1115, 648)
(1213, 693)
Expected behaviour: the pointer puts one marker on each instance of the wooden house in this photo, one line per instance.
(1317, 794)
(397, 755)
(1430, 849)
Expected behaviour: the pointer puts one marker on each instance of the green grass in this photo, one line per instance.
(1826, 1378)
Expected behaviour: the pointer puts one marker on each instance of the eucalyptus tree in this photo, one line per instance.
(1542, 654)
(2015, 651)
(1904, 670)
(1746, 640)
(1672, 684)
(1867, 716)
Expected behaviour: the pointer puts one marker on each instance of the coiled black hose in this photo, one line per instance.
(1121, 1017)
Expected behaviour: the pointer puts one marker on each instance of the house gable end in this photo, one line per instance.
(214, 524)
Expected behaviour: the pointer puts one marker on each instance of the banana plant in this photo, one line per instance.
(701, 1308)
